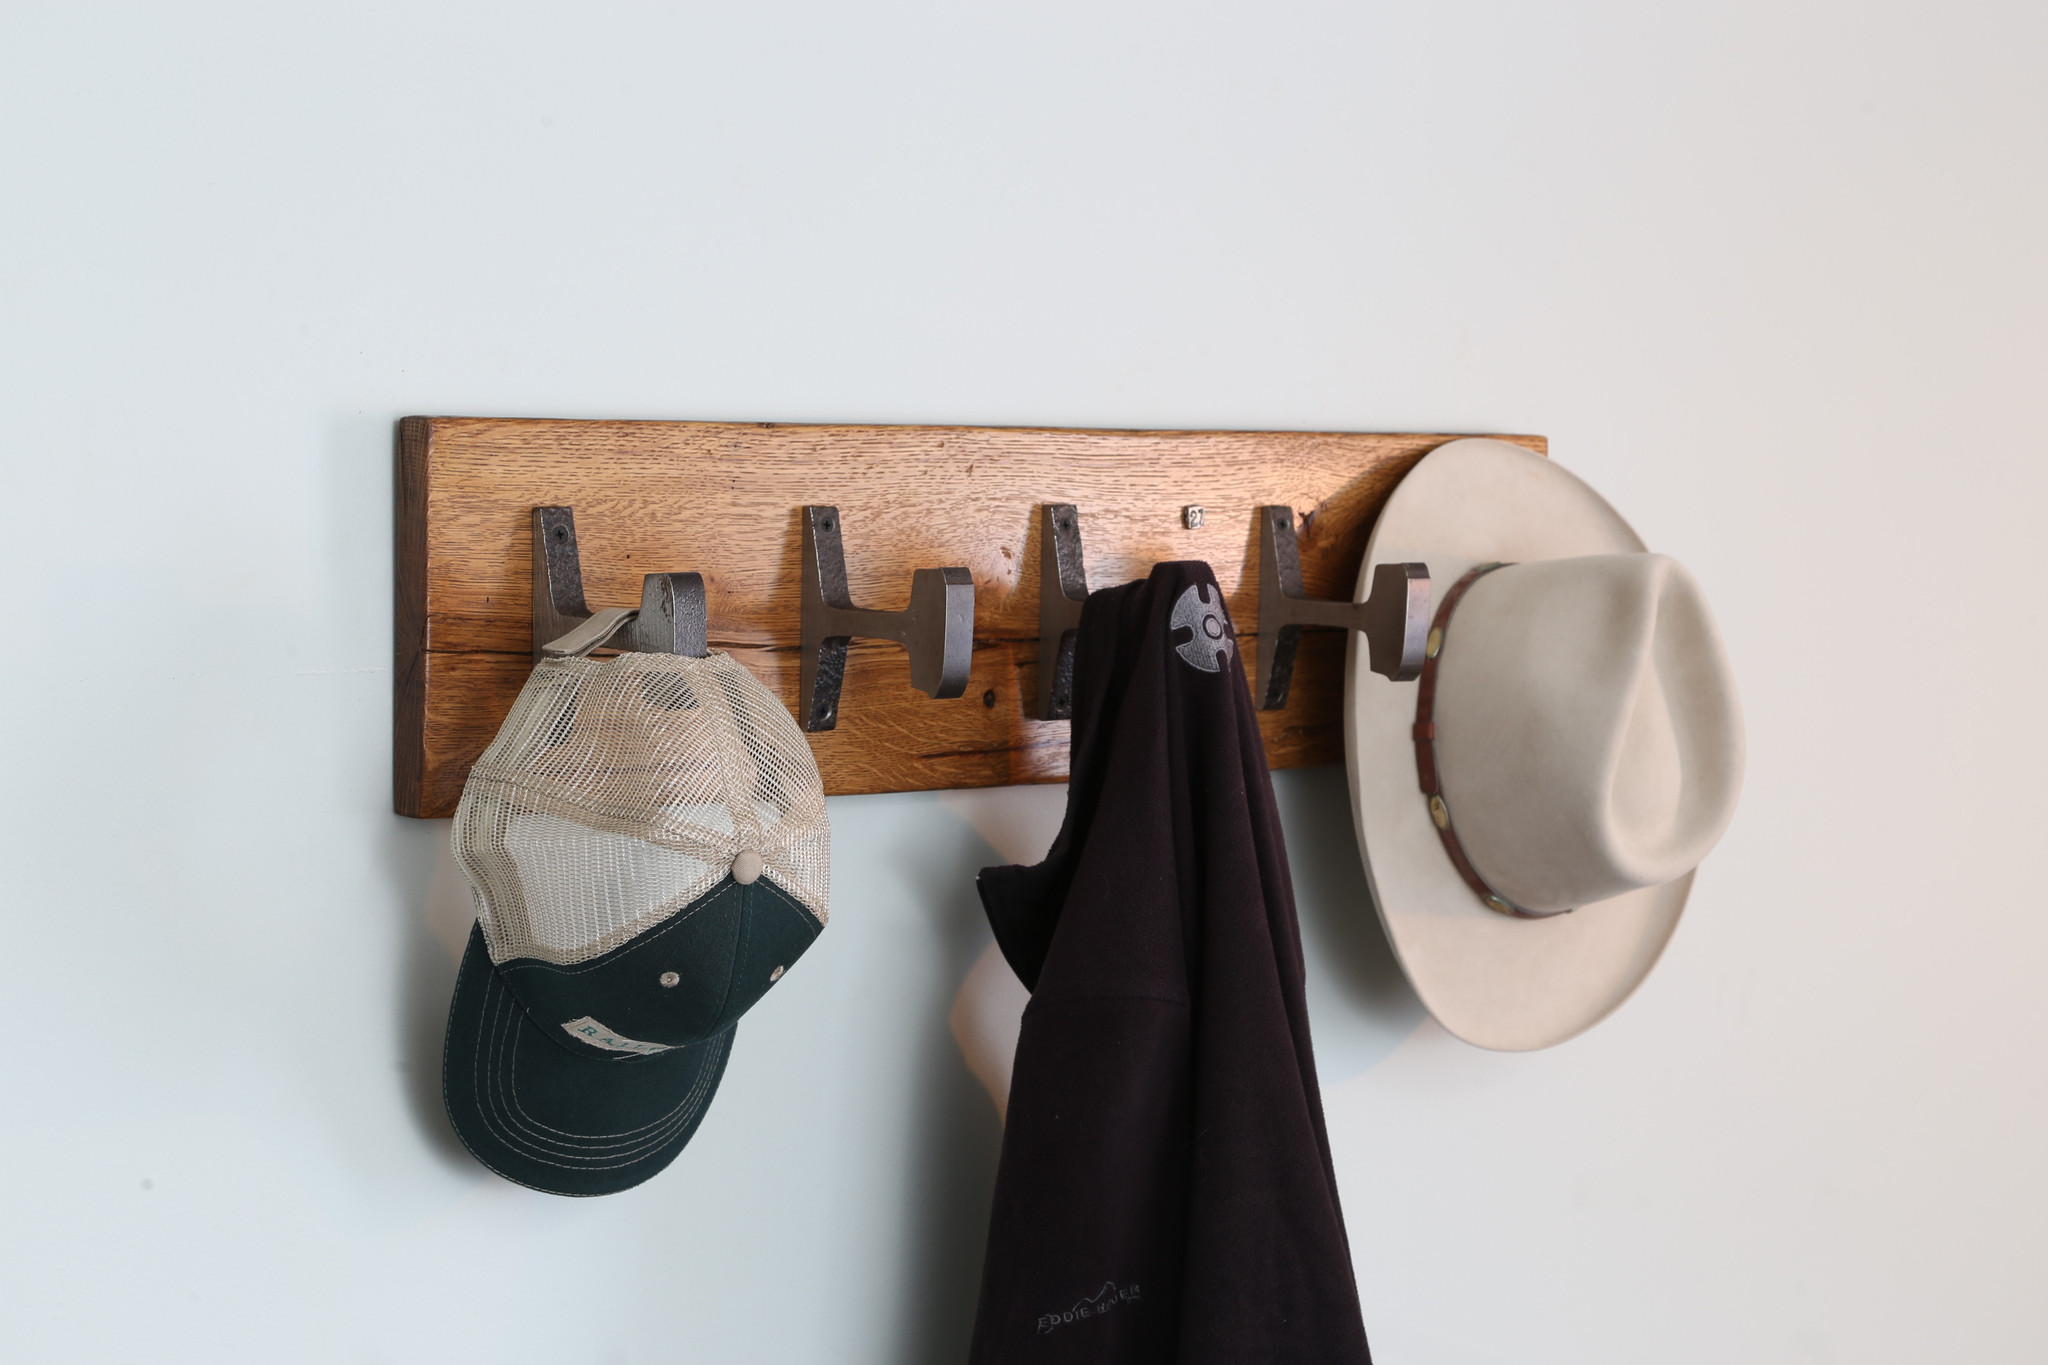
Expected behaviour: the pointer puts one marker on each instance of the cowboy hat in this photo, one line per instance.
(1532, 809)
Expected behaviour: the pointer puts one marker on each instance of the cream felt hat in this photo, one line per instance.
(1532, 809)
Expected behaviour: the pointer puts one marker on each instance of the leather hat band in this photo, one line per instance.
(1425, 755)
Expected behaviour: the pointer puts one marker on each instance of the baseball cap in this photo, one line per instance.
(647, 845)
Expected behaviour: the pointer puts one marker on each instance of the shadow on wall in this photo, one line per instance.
(953, 1160)
(914, 934)
(951, 1182)
(435, 902)
(1360, 1005)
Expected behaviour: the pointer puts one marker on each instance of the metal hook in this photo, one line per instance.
(937, 628)
(1394, 617)
(669, 620)
(1062, 589)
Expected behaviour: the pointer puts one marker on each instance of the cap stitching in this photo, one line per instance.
(535, 1130)
(687, 1109)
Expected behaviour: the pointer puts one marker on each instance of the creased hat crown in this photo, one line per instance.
(1587, 730)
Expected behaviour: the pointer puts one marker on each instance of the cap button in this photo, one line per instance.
(746, 868)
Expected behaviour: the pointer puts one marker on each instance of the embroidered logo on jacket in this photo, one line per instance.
(1105, 1298)
(1210, 644)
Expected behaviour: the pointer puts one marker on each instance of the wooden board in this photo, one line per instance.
(722, 499)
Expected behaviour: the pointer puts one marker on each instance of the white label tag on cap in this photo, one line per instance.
(597, 1035)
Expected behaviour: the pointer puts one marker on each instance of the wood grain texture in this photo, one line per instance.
(722, 499)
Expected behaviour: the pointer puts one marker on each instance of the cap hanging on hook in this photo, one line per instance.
(669, 620)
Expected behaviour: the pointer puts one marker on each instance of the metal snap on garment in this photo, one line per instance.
(1435, 642)
(1439, 812)
(746, 867)
(671, 979)
(775, 975)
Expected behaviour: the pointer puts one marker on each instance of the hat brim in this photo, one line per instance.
(552, 1118)
(1496, 981)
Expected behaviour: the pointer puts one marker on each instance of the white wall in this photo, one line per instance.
(1770, 275)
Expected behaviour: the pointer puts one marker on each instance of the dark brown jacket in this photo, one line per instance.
(1165, 1191)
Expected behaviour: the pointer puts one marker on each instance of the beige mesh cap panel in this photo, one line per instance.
(620, 790)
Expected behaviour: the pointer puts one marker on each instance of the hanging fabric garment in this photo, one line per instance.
(1165, 1192)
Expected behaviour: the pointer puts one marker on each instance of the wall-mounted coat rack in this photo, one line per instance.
(484, 580)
